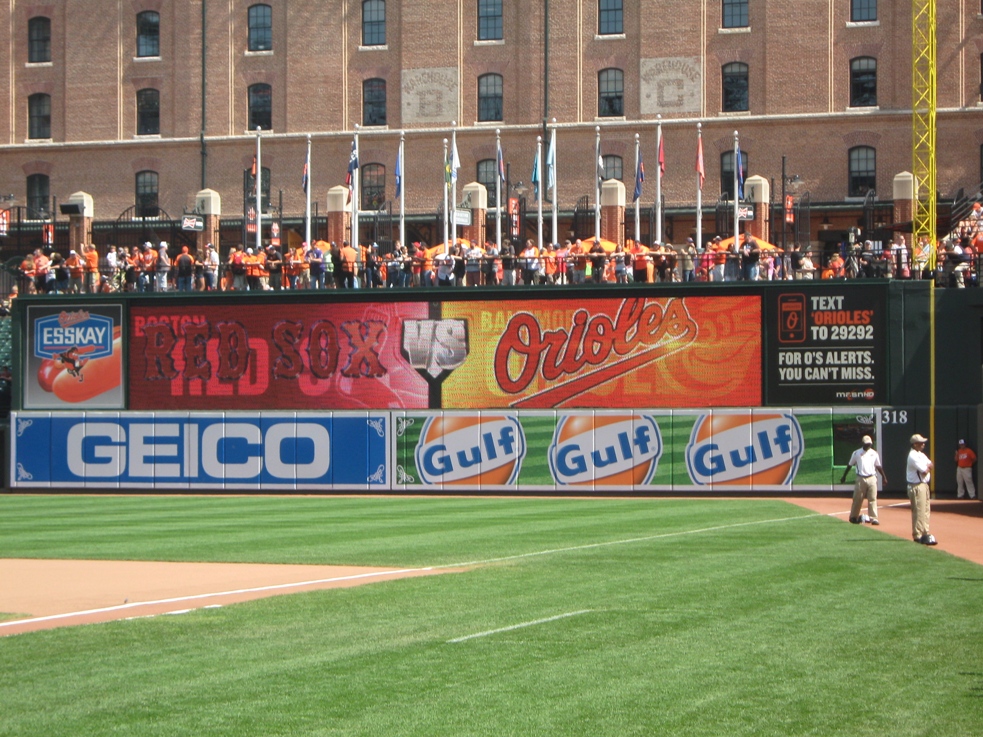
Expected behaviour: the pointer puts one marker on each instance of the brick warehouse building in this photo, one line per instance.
(145, 102)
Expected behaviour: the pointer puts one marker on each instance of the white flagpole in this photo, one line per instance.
(556, 204)
(446, 185)
(356, 194)
(737, 220)
(699, 192)
(638, 200)
(658, 182)
(402, 187)
(498, 189)
(597, 183)
(307, 213)
(539, 193)
(259, 191)
(453, 211)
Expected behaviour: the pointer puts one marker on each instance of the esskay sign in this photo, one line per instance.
(827, 348)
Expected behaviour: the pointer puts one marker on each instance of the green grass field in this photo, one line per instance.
(675, 617)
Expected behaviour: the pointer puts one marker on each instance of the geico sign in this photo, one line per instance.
(229, 450)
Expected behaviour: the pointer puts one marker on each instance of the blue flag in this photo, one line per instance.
(535, 176)
(399, 171)
(639, 178)
(740, 174)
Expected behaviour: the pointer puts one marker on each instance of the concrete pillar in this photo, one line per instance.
(339, 214)
(479, 208)
(613, 211)
(208, 202)
(79, 220)
(758, 190)
(904, 197)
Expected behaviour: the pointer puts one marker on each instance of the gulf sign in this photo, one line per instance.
(741, 449)
(605, 450)
(472, 450)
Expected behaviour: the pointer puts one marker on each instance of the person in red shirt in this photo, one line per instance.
(965, 460)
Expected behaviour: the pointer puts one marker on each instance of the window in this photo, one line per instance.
(610, 93)
(148, 34)
(863, 82)
(489, 20)
(863, 10)
(38, 40)
(734, 83)
(610, 17)
(374, 102)
(260, 28)
(260, 107)
(38, 197)
(487, 174)
(374, 23)
(373, 180)
(490, 97)
(39, 116)
(735, 14)
(727, 172)
(613, 167)
(863, 171)
(146, 200)
(148, 112)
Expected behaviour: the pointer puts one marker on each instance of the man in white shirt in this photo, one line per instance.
(918, 473)
(867, 463)
(445, 269)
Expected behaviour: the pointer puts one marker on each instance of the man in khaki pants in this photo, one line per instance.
(918, 474)
(867, 463)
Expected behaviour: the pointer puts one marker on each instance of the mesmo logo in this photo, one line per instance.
(472, 450)
(744, 449)
(605, 450)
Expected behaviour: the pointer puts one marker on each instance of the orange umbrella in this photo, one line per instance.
(441, 247)
(764, 245)
(608, 246)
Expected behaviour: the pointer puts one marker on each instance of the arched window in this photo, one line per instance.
(610, 93)
(374, 102)
(38, 197)
(489, 20)
(148, 33)
(148, 112)
(863, 171)
(734, 83)
(863, 10)
(260, 28)
(613, 167)
(38, 40)
(486, 175)
(735, 14)
(490, 97)
(373, 23)
(863, 82)
(146, 194)
(261, 107)
(39, 116)
(610, 17)
(373, 180)
(727, 172)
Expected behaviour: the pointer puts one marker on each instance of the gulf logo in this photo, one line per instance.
(605, 450)
(744, 449)
(474, 450)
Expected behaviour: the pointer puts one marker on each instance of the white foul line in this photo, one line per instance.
(520, 626)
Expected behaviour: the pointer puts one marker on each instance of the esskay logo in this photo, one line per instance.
(470, 450)
(90, 334)
(605, 450)
(744, 449)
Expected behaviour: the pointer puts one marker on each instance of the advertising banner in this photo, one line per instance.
(270, 451)
(73, 357)
(277, 356)
(827, 348)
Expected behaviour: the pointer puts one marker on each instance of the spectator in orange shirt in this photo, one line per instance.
(965, 460)
(75, 268)
(91, 255)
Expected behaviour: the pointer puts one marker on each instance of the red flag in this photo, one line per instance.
(662, 157)
(699, 161)
(254, 166)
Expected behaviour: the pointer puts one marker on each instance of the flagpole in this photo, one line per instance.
(498, 187)
(737, 166)
(597, 182)
(453, 211)
(539, 193)
(556, 204)
(307, 213)
(699, 186)
(356, 196)
(402, 187)
(259, 191)
(446, 185)
(638, 200)
(658, 183)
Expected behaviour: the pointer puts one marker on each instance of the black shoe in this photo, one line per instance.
(855, 520)
(874, 522)
(930, 540)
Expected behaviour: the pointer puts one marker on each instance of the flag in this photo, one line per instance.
(252, 173)
(455, 162)
(535, 176)
(551, 162)
(662, 157)
(399, 171)
(306, 175)
(699, 161)
(501, 164)
(600, 167)
(352, 167)
(639, 178)
(253, 170)
(447, 168)
(740, 175)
